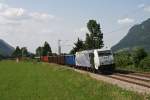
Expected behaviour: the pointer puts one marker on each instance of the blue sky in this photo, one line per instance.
(30, 22)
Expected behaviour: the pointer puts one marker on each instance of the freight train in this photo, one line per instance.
(96, 60)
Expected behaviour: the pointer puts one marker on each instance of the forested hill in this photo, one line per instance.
(138, 36)
(5, 48)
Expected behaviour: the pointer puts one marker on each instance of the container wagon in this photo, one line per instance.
(56, 59)
(96, 59)
(69, 60)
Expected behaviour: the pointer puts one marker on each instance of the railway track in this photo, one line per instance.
(133, 73)
(142, 75)
(133, 80)
(137, 82)
(139, 79)
(145, 79)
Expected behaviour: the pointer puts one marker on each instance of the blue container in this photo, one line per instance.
(70, 59)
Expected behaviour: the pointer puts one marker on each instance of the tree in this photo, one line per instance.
(39, 51)
(88, 42)
(73, 51)
(24, 52)
(79, 46)
(44, 51)
(138, 55)
(47, 49)
(145, 63)
(94, 40)
(17, 52)
(1, 57)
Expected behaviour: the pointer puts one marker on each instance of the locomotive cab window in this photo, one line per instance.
(104, 53)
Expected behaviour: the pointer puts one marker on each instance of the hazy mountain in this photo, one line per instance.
(138, 36)
(5, 48)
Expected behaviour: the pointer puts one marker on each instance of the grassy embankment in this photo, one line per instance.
(41, 81)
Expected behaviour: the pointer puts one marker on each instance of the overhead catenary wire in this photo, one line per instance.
(126, 15)
(119, 29)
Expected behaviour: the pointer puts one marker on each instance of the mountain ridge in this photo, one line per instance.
(5, 48)
(137, 36)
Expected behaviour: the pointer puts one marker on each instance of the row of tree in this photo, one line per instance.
(20, 52)
(44, 51)
(135, 58)
(40, 51)
(93, 40)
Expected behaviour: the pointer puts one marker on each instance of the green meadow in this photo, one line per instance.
(42, 81)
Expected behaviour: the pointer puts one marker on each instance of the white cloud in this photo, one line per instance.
(141, 5)
(81, 30)
(84, 30)
(10, 12)
(13, 13)
(21, 27)
(3, 6)
(3, 34)
(147, 9)
(80, 33)
(16, 13)
(41, 16)
(125, 21)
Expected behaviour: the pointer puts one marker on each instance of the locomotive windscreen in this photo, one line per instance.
(105, 53)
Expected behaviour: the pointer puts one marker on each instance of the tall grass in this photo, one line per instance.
(40, 81)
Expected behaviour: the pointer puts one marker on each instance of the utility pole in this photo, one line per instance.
(59, 47)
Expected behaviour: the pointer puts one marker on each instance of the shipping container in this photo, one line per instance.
(44, 58)
(69, 60)
(61, 60)
(56, 59)
(50, 58)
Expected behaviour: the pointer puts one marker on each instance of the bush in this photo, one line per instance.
(145, 63)
(1, 57)
(138, 54)
(123, 58)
